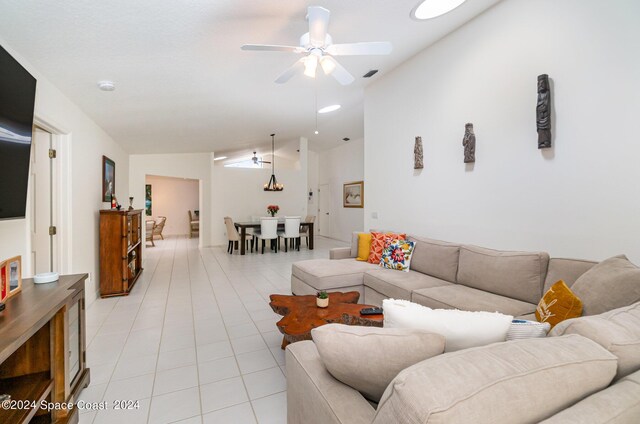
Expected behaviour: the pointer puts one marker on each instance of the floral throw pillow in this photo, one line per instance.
(397, 255)
(379, 241)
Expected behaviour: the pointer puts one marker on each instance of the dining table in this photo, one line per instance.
(242, 230)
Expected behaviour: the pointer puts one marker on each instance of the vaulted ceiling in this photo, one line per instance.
(184, 85)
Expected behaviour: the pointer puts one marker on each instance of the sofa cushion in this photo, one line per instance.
(568, 270)
(522, 381)
(617, 404)
(618, 331)
(399, 285)
(525, 329)
(327, 274)
(364, 246)
(461, 329)
(611, 284)
(558, 304)
(379, 241)
(368, 358)
(436, 258)
(518, 275)
(468, 299)
(397, 255)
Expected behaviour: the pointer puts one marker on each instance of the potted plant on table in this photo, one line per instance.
(273, 210)
(322, 299)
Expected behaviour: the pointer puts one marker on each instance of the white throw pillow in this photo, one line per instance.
(524, 329)
(461, 329)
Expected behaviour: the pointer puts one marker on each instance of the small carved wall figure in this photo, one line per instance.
(418, 161)
(543, 112)
(469, 143)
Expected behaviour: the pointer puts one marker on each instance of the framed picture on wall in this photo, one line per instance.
(147, 200)
(108, 179)
(353, 194)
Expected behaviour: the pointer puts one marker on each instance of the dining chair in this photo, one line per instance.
(268, 231)
(291, 231)
(233, 236)
(304, 230)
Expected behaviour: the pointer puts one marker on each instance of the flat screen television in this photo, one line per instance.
(17, 98)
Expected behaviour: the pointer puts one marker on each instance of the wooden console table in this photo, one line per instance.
(42, 350)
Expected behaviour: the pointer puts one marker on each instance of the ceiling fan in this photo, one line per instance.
(318, 48)
(256, 160)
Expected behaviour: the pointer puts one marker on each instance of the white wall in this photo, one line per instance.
(196, 166)
(239, 193)
(343, 164)
(86, 144)
(173, 198)
(579, 199)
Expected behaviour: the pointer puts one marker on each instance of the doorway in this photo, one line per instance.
(44, 203)
(324, 210)
(174, 203)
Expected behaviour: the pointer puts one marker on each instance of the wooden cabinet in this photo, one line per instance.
(120, 251)
(42, 351)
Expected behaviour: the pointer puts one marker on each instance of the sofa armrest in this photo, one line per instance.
(315, 397)
(340, 253)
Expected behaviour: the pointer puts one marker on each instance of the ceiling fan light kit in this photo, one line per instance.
(429, 9)
(318, 46)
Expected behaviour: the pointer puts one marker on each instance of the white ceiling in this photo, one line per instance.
(184, 85)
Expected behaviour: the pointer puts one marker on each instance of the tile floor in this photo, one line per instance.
(195, 342)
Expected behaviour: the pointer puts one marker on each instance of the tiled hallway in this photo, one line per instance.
(196, 341)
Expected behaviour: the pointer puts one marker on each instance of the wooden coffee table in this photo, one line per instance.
(301, 314)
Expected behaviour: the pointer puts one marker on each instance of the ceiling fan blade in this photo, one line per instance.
(272, 48)
(355, 49)
(338, 71)
(296, 68)
(318, 25)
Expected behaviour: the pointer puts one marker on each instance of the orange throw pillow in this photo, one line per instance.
(379, 241)
(557, 304)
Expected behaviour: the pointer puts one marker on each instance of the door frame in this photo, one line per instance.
(61, 140)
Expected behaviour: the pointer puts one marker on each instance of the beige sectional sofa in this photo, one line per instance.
(566, 377)
(443, 275)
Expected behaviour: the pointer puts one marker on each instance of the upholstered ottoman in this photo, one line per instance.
(309, 277)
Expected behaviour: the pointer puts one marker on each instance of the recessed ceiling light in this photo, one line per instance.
(220, 158)
(106, 85)
(428, 9)
(328, 109)
(346, 139)
(316, 132)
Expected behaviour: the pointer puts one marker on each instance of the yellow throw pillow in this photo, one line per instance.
(557, 304)
(364, 246)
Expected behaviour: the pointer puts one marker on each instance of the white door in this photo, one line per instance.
(43, 251)
(324, 210)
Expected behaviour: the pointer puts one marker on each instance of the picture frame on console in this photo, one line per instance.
(108, 179)
(353, 195)
(10, 277)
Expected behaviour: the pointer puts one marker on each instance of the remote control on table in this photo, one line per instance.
(371, 311)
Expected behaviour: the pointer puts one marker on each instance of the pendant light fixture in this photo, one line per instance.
(273, 184)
